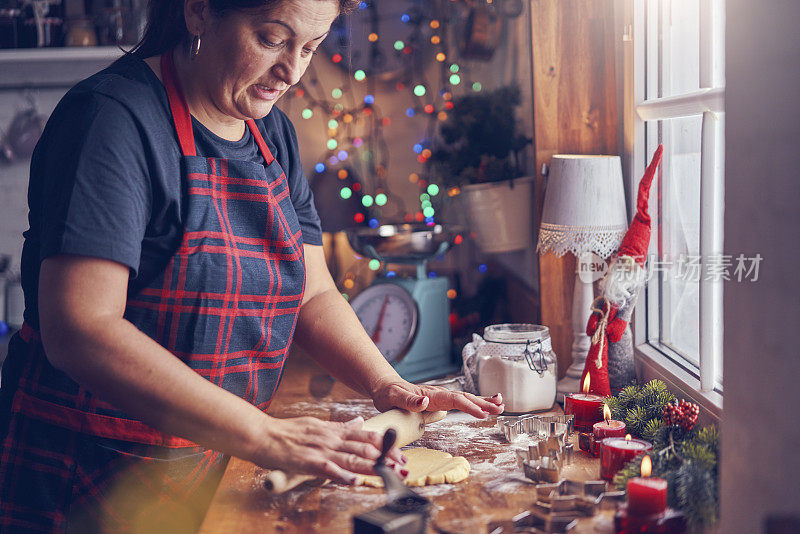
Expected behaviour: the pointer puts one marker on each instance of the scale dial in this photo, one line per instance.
(390, 316)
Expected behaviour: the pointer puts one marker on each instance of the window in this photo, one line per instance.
(674, 77)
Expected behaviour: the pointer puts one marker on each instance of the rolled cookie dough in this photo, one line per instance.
(427, 467)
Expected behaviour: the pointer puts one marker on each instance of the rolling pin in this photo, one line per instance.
(408, 425)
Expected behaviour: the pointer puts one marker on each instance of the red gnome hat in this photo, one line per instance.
(637, 238)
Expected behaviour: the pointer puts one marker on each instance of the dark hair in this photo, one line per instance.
(166, 25)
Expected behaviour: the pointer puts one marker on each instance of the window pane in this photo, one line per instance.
(678, 234)
(677, 45)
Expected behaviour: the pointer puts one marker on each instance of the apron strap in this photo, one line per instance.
(260, 141)
(182, 119)
(177, 103)
(28, 334)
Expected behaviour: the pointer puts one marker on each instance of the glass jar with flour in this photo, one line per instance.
(518, 361)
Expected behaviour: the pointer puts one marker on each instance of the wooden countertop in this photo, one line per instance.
(495, 490)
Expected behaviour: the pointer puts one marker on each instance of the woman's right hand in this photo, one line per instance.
(337, 451)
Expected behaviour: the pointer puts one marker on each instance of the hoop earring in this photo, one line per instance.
(195, 48)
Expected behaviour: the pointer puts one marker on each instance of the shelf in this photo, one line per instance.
(73, 53)
(53, 68)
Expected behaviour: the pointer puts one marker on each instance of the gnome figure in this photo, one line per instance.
(610, 359)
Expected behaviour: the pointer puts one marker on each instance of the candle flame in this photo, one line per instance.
(627, 437)
(647, 466)
(585, 387)
(606, 411)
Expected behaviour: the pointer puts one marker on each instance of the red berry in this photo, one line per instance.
(681, 413)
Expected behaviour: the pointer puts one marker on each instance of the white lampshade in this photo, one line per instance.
(584, 206)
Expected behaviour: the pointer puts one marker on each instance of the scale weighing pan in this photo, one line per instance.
(402, 243)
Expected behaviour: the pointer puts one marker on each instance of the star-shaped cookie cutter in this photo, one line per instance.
(558, 507)
(544, 449)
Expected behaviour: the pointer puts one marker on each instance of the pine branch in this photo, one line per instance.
(636, 419)
(709, 436)
(651, 428)
(617, 407)
(695, 494)
(654, 396)
(700, 455)
(628, 395)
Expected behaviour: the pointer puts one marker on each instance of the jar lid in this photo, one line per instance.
(516, 333)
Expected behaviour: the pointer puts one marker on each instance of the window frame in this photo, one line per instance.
(654, 360)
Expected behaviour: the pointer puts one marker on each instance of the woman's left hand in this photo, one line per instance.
(414, 398)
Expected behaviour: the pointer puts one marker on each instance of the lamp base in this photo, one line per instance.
(582, 297)
(565, 386)
(570, 382)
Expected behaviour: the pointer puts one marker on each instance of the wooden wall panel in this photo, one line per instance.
(575, 111)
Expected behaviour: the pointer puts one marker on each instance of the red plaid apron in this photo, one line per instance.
(226, 303)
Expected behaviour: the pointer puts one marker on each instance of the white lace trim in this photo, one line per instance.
(559, 239)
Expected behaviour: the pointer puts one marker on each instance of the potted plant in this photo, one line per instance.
(478, 151)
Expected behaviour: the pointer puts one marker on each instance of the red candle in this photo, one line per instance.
(608, 428)
(667, 522)
(616, 452)
(586, 408)
(647, 495)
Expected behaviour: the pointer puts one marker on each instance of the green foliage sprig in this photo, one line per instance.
(640, 407)
(688, 462)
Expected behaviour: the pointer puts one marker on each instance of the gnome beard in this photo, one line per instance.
(622, 281)
(620, 288)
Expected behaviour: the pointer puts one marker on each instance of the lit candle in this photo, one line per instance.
(646, 509)
(586, 408)
(608, 428)
(616, 452)
(647, 495)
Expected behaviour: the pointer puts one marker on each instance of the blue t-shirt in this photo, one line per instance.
(106, 176)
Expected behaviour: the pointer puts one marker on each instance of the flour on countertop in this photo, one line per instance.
(492, 460)
(500, 474)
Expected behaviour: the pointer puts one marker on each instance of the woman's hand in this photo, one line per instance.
(414, 398)
(337, 451)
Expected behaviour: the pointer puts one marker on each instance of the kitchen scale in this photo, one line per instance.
(407, 316)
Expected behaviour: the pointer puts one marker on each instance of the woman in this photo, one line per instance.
(173, 254)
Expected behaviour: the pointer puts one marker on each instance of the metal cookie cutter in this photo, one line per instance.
(546, 450)
(546, 469)
(529, 522)
(569, 499)
(535, 426)
(543, 464)
(558, 507)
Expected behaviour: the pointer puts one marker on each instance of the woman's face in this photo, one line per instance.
(250, 58)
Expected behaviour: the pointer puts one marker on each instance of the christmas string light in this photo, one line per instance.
(356, 126)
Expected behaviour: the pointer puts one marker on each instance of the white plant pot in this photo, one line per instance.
(501, 215)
